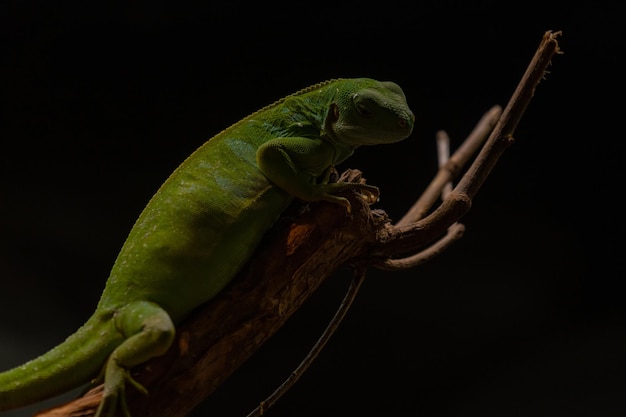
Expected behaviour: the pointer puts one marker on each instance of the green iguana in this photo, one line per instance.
(204, 223)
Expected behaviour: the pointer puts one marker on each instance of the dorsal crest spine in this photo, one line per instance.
(282, 100)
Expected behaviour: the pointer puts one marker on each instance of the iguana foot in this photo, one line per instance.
(114, 396)
(149, 332)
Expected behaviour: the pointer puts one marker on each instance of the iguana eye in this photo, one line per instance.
(360, 104)
(364, 111)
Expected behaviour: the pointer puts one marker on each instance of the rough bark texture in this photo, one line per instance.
(296, 257)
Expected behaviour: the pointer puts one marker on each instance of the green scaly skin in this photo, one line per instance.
(204, 223)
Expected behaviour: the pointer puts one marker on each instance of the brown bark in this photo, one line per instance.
(309, 244)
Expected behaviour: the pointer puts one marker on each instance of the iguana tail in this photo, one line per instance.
(65, 367)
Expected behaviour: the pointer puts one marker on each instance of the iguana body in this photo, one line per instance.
(204, 223)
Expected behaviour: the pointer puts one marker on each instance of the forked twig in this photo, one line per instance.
(450, 169)
(456, 231)
(413, 232)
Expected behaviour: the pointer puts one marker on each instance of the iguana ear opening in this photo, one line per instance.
(333, 112)
(332, 116)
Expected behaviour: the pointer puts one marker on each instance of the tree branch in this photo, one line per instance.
(306, 246)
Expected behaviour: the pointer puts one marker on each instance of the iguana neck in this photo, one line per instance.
(342, 150)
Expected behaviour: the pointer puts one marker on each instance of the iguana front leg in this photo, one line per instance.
(149, 332)
(301, 167)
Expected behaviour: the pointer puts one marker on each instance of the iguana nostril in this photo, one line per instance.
(406, 121)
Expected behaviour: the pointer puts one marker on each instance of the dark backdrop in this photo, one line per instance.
(524, 316)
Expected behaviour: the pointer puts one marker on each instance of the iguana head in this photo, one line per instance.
(368, 112)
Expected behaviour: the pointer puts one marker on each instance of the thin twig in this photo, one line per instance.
(502, 135)
(443, 156)
(355, 285)
(455, 232)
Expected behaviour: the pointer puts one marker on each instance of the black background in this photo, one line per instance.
(524, 316)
